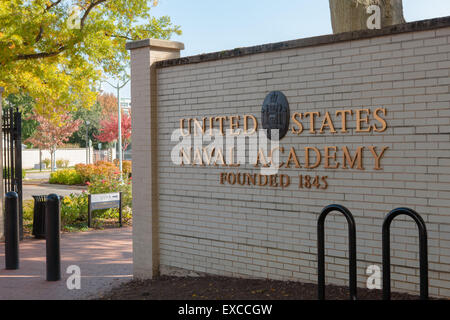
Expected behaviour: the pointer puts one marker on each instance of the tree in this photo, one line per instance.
(51, 134)
(109, 130)
(57, 50)
(108, 102)
(93, 115)
(351, 15)
(25, 104)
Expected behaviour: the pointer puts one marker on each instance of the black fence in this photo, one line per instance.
(12, 156)
(423, 250)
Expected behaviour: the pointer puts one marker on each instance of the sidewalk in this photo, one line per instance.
(44, 189)
(104, 257)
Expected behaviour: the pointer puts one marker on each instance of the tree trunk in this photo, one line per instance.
(351, 15)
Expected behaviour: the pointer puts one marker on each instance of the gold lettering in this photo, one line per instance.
(234, 125)
(229, 176)
(255, 124)
(297, 122)
(266, 180)
(221, 177)
(231, 158)
(380, 119)
(239, 179)
(357, 159)
(312, 119)
(285, 180)
(307, 157)
(273, 180)
(251, 178)
(260, 158)
(219, 156)
(280, 149)
(205, 153)
(185, 156)
(327, 122)
(197, 125)
(377, 157)
(329, 157)
(343, 114)
(182, 127)
(360, 120)
(198, 157)
(221, 119)
(292, 157)
(211, 125)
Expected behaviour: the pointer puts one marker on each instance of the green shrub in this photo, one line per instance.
(61, 163)
(28, 210)
(74, 209)
(47, 162)
(126, 166)
(65, 176)
(101, 169)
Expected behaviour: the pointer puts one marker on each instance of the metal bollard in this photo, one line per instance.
(52, 226)
(12, 231)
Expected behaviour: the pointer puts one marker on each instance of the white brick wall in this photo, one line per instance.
(271, 233)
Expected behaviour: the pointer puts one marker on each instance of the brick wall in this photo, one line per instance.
(271, 232)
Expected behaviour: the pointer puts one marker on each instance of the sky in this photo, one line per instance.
(216, 25)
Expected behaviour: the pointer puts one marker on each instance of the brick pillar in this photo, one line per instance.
(144, 54)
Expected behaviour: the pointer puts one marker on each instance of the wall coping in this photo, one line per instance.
(158, 43)
(422, 25)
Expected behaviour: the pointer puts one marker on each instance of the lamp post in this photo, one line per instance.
(119, 121)
(87, 141)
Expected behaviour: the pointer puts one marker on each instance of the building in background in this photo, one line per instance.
(125, 105)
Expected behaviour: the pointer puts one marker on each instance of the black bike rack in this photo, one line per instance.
(423, 251)
(321, 249)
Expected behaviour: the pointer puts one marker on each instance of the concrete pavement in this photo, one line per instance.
(104, 257)
(30, 190)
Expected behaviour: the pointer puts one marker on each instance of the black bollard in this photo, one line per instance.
(12, 231)
(52, 227)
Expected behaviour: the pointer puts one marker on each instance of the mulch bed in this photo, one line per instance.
(223, 288)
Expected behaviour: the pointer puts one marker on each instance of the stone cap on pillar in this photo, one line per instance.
(155, 43)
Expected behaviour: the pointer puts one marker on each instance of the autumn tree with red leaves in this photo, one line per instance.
(52, 133)
(109, 130)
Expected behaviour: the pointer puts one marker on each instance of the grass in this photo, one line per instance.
(28, 207)
(76, 227)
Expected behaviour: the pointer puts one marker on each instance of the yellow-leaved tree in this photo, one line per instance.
(56, 51)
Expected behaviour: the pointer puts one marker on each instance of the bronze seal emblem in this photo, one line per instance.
(275, 113)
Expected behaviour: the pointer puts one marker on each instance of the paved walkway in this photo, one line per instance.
(104, 257)
(37, 175)
(30, 190)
